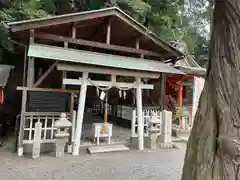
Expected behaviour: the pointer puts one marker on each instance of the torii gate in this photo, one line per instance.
(84, 81)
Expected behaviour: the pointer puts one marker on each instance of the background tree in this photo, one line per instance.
(172, 20)
(214, 143)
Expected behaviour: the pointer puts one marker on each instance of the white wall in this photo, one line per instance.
(198, 85)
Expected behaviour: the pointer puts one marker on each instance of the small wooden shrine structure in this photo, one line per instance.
(105, 41)
(181, 85)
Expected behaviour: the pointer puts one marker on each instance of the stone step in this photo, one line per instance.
(107, 148)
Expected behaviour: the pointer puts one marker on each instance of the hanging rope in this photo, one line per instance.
(98, 87)
(105, 90)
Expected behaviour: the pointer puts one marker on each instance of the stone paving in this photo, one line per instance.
(133, 165)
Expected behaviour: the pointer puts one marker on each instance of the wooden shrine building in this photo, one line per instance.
(184, 88)
(64, 52)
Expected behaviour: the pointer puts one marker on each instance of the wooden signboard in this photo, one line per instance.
(48, 101)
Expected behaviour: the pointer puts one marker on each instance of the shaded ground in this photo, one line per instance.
(133, 165)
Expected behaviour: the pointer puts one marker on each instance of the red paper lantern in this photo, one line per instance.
(1, 95)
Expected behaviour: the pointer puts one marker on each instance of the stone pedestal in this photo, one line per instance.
(152, 140)
(166, 135)
(60, 146)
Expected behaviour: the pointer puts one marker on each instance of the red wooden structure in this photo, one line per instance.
(1, 95)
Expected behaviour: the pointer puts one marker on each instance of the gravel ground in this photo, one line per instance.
(133, 165)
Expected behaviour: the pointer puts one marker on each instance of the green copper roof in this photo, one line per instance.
(99, 59)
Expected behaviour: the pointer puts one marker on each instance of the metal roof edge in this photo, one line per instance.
(60, 16)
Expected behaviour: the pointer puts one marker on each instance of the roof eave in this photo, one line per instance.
(195, 71)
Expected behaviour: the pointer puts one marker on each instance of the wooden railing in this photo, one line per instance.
(129, 113)
(47, 119)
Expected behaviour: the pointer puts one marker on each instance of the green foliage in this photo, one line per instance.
(172, 20)
(20, 10)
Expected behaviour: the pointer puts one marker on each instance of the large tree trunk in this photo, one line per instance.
(213, 146)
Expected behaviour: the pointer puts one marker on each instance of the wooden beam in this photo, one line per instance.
(106, 83)
(57, 20)
(19, 88)
(103, 70)
(96, 44)
(41, 79)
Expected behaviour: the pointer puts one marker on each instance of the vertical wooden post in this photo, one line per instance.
(74, 31)
(134, 98)
(31, 72)
(32, 36)
(108, 38)
(22, 122)
(73, 117)
(162, 91)
(106, 114)
(139, 115)
(180, 95)
(64, 75)
(31, 66)
(80, 113)
(133, 124)
(65, 44)
(24, 66)
(137, 44)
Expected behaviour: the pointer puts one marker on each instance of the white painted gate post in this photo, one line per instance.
(139, 115)
(80, 113)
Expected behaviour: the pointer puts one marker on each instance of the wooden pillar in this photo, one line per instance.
(108, 38)
(137, 44)
(80, 113)
(31, 72)
(139, 115)
(22, 122)
(73, 117)
(106, 114)
(180, 95)
(64, 75)
(162, 91)
(31, 66)
(74, 31)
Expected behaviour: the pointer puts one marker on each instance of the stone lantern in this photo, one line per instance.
(154, 130)
(62, 126)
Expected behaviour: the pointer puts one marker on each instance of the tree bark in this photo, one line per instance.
(213, 147)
